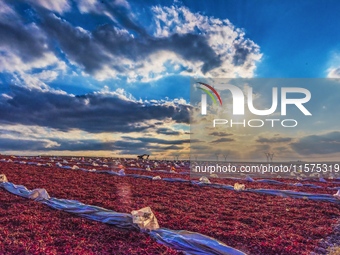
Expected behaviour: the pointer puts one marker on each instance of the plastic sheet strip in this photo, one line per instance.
(120, 220)
(189, 242)
(282, 193)
(192, 243)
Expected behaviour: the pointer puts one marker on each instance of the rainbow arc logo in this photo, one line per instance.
(204, 96)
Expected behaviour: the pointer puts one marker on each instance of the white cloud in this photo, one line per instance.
(59, 6)
(32, 82)
(6, 12)
(233, 54)
(19, 59)
(120, 93)
(6, 96)
(226, 53)
(11, 62)
(47, 75)
(238, 54)
(333, 73)
(333, 70)
(86, 6)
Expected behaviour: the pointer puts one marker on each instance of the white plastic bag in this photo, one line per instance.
(239, 187)
(145, 219)
(337, 195)
(155, 178)
(38, 194)
(205, 180)
(3, 178)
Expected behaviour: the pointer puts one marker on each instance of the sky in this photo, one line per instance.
(112, 78)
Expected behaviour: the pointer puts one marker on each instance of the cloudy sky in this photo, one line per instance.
(111, 78)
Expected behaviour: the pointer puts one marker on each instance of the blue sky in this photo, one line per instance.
(90, 77)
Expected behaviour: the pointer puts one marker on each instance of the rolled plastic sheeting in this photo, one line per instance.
(248, 178)
(120, 220)
(337, 195)
(283, 183)
(20, 190)
(175, 180)
(192, 243)
(188, 242)
(334, 188)
(213, 185)
(139, 176)
(295, 194)
(274, 192)
(312, 186)
(284, 193)
(270, 182)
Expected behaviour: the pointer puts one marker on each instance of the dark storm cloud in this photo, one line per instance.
(157, 140)
(223, 140)
(171, 147)
(82, 145)
(318, 144)
(103, 46)
(262, 148)
(222, 134)
(9, 132)
(96, 49)
(242, 51)
(93, 112)
(76, 43)
(167, 131)
(199, 147)
(141, 147)
(122, 15)
(128, 147)
(54, 145)
(17, 144)
(27, 42)
(274, 140)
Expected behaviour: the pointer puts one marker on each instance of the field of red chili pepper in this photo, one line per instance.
(28, 227)
(252, 223)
